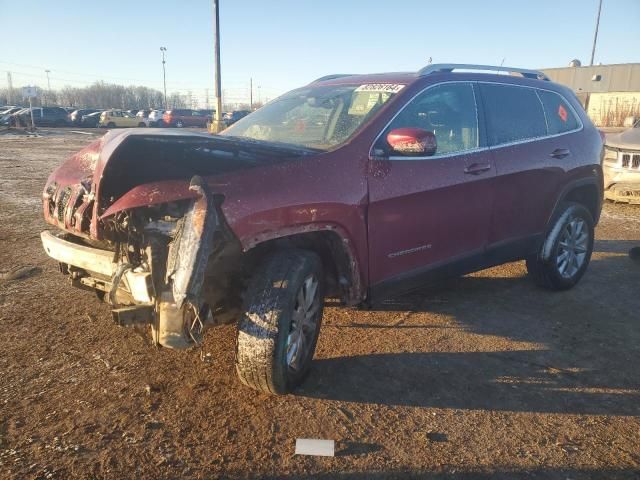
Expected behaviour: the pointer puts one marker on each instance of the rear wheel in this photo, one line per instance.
(281, 319)
(566, 252)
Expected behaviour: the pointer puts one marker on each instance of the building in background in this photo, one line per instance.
(610, 93)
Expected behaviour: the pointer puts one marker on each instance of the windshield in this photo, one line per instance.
(321, 117)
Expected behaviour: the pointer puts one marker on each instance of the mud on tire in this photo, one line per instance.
(546, 267)
(271, 311)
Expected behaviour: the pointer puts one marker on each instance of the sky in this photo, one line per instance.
(283, 44)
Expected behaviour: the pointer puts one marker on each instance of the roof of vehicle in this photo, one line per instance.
(442, 68)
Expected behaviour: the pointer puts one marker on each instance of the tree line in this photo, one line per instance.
(98, 95)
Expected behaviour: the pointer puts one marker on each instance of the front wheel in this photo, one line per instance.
(564, 257)
(179, 124)
(279, 327)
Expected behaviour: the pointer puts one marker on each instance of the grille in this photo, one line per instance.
(630, 160)
(61, 203)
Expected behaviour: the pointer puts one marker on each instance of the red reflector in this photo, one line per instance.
(562, 113)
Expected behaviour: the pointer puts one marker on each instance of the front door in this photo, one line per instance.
(426, 211)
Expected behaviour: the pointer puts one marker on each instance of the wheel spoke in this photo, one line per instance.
(311, 288)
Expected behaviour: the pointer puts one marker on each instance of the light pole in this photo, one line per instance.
(164, 76)
(48, 86)
(217, 125)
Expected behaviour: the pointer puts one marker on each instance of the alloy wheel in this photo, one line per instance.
(572, 248)
(304, 324)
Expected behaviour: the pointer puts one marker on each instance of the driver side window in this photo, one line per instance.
(447, 110)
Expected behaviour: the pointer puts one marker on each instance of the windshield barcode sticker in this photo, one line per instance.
(380, 87)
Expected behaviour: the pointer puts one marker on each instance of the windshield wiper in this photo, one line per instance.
(273, 143)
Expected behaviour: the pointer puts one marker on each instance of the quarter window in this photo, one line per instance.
(560, 116)
(513, 113)
(447, 110)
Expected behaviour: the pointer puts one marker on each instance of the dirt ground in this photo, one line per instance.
(484, 376)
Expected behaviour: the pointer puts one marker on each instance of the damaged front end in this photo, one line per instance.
(160, 253)
(621, 169)
(152, 270)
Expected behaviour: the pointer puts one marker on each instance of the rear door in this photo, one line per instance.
(528, 163)
(425, 211)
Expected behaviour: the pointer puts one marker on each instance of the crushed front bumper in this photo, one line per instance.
(621, 169)
(94, 268)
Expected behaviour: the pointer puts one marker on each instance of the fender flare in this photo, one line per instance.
(572, 185)
(356, 291)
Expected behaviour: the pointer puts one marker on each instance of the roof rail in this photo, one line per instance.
(333, 76)
(449, 67)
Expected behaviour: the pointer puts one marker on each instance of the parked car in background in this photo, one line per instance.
(142, 117)
(357, 187)
(230, 118)
(155, 118)
(184, 117)
(117, 118)
(6, 115)
(91, 120)
(42, 117)
(621, 166)
(75, 117)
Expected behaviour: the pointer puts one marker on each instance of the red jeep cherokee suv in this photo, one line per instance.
(354, 186)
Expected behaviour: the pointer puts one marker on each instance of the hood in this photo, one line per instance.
(629, 139)
(134, 168)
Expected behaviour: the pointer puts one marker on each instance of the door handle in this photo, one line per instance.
(477, 168)
(560, 153)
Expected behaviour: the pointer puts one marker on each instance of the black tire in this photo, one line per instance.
(142, 125)
(268, 319)
(179, 124)
(111, 125)
(543, 267)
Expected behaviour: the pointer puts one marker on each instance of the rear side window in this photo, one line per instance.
(513, 113)
(560, 116)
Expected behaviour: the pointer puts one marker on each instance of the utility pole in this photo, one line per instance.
(595, 35)
(164, 76)
(251, 94)
(217, 125)
(10, 89)
(48, 87)
(593, 54)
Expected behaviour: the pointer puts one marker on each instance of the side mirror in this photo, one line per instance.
(414, 142)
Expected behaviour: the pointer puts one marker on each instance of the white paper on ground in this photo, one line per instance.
(311, 446)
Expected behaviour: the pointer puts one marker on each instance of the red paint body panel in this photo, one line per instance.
(425, 211)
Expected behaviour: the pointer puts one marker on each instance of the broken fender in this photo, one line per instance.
(192, 246)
